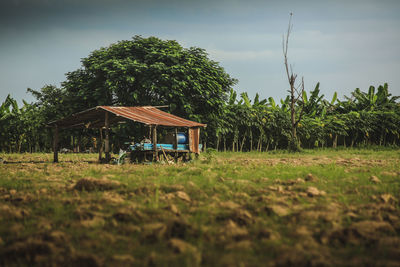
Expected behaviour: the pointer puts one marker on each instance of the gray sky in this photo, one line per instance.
(343, 44)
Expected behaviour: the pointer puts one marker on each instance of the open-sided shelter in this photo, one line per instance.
(102, 117)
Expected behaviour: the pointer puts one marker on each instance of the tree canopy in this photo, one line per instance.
(150, 71)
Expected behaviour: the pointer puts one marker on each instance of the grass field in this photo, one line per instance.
(225, 209)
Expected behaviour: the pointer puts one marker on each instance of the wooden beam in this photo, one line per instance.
(150, 132)
(55, 144)
(107, 135)
(176, 139)
(190, 136)
(100, 144)
(154, 141)
(176, 145)
(194, 139)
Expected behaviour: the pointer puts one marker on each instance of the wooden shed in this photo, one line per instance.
(102, 117)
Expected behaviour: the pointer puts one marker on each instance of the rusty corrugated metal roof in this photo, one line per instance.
(94, 117)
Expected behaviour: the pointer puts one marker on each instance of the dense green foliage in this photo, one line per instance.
(139, 72)
(150, 71)
(363, 119)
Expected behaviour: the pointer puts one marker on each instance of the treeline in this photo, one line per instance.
(364, 118)
(151, 71)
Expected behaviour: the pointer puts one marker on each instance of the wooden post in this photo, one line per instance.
(101, 145)
(154, 141)
(176, 145)
(55, 144)
(149, 133)
(194, 139)
(107, 141)
(190, 139)
(190, 142)
(176, 139)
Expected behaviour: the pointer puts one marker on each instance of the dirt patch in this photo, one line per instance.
(153, 232)
(314, 192)
(388, 198)
(311, 178)
(232, 231)
(112, 198)
(268, 235)
(29, 250)
(183, 196)
(91, 184)
(57, 237)
(145, 190)
(182, 247)
(240, 245)
(229, 205)
(94, 222)
(392, 174)
(242, 217)
(363, 232)
(85, 259)
(123, 260)
(12, 212)
(278, 210)
(172, 188)
(124, 215)
(173, 208)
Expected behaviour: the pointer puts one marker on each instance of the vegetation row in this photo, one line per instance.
(150, 71)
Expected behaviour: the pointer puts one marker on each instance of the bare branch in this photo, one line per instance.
(302, 103)
(295, 91)
(285, 45)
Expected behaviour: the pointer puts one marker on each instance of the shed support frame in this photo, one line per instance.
(55, 144)
(101, 117)
(154, 141)
(107, 139)
(101, 145)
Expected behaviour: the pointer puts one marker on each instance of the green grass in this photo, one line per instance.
(234, 209)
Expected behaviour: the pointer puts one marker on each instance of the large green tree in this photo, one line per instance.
(151, 71)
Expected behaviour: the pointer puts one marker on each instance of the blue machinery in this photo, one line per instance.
(145, 151)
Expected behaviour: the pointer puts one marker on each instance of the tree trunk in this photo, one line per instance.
(19, 144)
(79, 143)
(251, 141)
(224, 144)
(334, 144)
(243, 140)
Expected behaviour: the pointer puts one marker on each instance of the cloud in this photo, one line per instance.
(340, 43)
(241, 55)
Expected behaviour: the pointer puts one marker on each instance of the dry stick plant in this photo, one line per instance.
(296, 92)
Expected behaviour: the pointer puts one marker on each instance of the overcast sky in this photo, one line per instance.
(343, 44)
